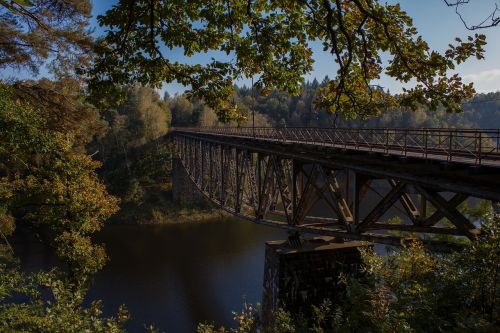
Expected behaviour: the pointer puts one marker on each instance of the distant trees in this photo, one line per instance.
(141, 119)
(194, 112)
(280, 109)
(183, 111)
(131, 148)
(482, 111)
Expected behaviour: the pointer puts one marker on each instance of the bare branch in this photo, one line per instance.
(490, 21)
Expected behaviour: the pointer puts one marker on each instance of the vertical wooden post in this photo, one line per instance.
(355, 192)
(210, 168)
(238, 180)
(423, 207)
(296, 167)
(222, 174)
(202, 166)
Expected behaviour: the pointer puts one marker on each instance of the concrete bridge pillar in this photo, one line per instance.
(184, 192)
(295, 278)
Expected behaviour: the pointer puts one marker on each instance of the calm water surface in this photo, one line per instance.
(177, 275)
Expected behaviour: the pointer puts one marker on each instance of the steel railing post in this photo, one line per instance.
(387, 141)
(480, 147)
(451, 147)
(498, 140)
(426, 139)
(406, 143)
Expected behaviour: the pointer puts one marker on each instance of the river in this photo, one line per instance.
(175, 275)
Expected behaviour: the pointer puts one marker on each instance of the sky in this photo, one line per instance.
(436, 22)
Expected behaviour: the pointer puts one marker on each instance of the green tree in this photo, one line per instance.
(62, 104)
(132, 150)
(207, 118)
(63, 313)
(412, 290)
(270, 41)
(34, 31)
(182, 111)
(45, 181)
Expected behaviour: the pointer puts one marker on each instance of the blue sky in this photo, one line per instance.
(436, 22)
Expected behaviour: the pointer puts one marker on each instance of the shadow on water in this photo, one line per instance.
(180, 274)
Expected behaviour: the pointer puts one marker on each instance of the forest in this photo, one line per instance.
(281, 109)
(88, 145)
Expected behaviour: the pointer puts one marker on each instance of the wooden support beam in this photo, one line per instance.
(407, 203)
(451, 213)
(295, 176)
(358, 185)
(438, 215)
(282, 180)
(222, 182)
(306, 197)
(382, 207)
(340, 205)
(253, 187)
(240, 180)
(414, 228)
(211, 170)
(266, 188)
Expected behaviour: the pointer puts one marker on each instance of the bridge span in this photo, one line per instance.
(346, 183)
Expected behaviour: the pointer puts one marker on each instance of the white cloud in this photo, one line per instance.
(485, 81)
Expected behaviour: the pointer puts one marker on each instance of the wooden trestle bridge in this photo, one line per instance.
(346, 183)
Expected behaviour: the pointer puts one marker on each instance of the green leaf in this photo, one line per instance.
(24, 3)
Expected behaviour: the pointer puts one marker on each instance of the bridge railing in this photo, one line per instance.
(479, 147)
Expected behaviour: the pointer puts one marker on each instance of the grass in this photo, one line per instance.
(157, 207)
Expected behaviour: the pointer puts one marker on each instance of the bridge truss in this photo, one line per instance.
(308, 188)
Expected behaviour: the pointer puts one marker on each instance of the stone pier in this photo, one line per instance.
(184, 192)
(295, 278)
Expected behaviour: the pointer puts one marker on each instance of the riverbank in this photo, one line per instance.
(158, 207)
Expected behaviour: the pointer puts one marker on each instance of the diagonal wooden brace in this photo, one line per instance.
(407, 203)
(382, 207)
(451, 213)
(438, 215)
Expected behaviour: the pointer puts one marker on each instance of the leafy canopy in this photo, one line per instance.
(270, 42)
(60, 310)
(34, 31)
(44, 180)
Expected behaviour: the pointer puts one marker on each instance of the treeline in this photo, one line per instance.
(281, 109)
(136, 156)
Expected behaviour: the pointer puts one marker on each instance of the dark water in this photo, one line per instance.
(175, 276)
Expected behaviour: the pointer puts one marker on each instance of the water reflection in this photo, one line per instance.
(178, 275)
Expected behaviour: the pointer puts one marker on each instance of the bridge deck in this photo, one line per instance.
(276, 176)
(467, 146)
